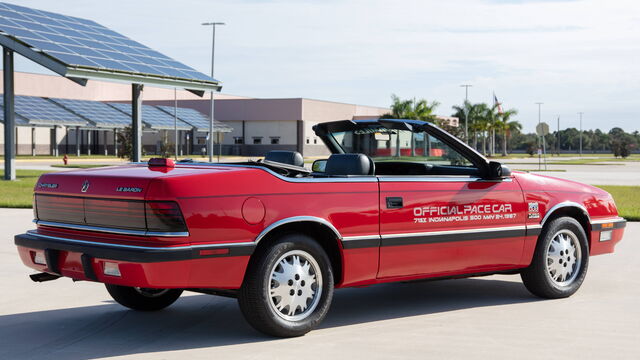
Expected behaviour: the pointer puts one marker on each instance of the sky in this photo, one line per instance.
(573, 55)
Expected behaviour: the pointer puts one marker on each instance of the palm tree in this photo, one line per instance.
(400, 109)
(475, 122)
(411, 109)
(508, 126)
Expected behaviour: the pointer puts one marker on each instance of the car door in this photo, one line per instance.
(449, 221)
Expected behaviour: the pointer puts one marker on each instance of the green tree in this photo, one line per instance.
(507, 126)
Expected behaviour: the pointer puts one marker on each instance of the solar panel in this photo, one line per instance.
(153, 117)
(39, 111)
(19, 119)
(84, 43)
(196, 119)
(97, 112)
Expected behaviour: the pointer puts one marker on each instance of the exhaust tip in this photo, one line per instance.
(42, 277)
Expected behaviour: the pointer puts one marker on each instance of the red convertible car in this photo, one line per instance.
(398, 200)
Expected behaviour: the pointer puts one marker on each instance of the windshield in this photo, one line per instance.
(384, 144)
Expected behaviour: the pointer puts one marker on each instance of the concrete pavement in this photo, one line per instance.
(491, 317)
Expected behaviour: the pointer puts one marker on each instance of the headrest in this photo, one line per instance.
(286, 157)
(349, 164)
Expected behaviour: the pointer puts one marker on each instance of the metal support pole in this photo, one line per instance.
(466, 112)
(175, 121)
(104, 138)
(580, 113)
(558, 137)
(56, 151)
(539, 137)
(89, 135)
(115, 142)
(9, 116)
(78, 138)
(136, 122)
(33, 141)
(213, 114)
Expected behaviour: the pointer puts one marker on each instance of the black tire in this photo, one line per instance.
(143, 299)
(547, 276)
(260, 307)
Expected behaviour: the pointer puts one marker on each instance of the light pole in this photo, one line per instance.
(211, 117)
(539, 135)
(466, 112)
(558, 138)
(580, 113)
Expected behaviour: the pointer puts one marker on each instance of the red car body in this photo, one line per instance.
(445, 227)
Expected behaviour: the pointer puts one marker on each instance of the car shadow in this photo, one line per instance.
(202, 321)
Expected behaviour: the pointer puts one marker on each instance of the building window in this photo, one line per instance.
(315, 141)
(257, 140)
(308, 141)
(238, 140)
(275, 140)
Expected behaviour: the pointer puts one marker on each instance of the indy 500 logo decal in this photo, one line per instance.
(468, 212)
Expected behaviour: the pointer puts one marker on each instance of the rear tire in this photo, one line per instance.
(560, 261)
(143, 299)
(288, 287)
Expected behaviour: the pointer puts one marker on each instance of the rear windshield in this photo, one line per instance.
(384, 144)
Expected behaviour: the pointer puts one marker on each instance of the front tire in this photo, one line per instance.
(288, 287)
(143, 299)
(560, 261)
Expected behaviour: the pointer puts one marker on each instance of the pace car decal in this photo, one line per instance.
(467, 212)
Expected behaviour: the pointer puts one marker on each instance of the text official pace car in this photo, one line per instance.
(397, 200)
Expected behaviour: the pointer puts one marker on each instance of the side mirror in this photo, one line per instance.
(319, 166)
(496, 170)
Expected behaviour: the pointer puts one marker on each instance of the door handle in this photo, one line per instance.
(394, 203)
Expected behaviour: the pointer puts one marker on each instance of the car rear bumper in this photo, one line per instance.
(189, 266)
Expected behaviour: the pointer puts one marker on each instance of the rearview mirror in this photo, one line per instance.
(319, 166)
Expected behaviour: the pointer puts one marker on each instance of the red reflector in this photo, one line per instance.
(214, 252)
(161, 162)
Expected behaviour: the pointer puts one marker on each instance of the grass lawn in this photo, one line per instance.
(19, 193)
(627, 199)
(70, 156)
(78, 166)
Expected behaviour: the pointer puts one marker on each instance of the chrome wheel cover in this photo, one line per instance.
(294, 285)
(563, 258)
(150, 292)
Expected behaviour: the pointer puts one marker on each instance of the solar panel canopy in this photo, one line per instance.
(90, 50)
(20, 121)
(39, 111)
(153, 117)
(99, 113)
(196, 119)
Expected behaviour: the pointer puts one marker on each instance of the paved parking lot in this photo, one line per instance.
(491, 317)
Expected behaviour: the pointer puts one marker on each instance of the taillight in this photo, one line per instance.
(164, 216)
(138, 215)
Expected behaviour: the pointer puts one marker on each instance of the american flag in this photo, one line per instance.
(496, 102)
